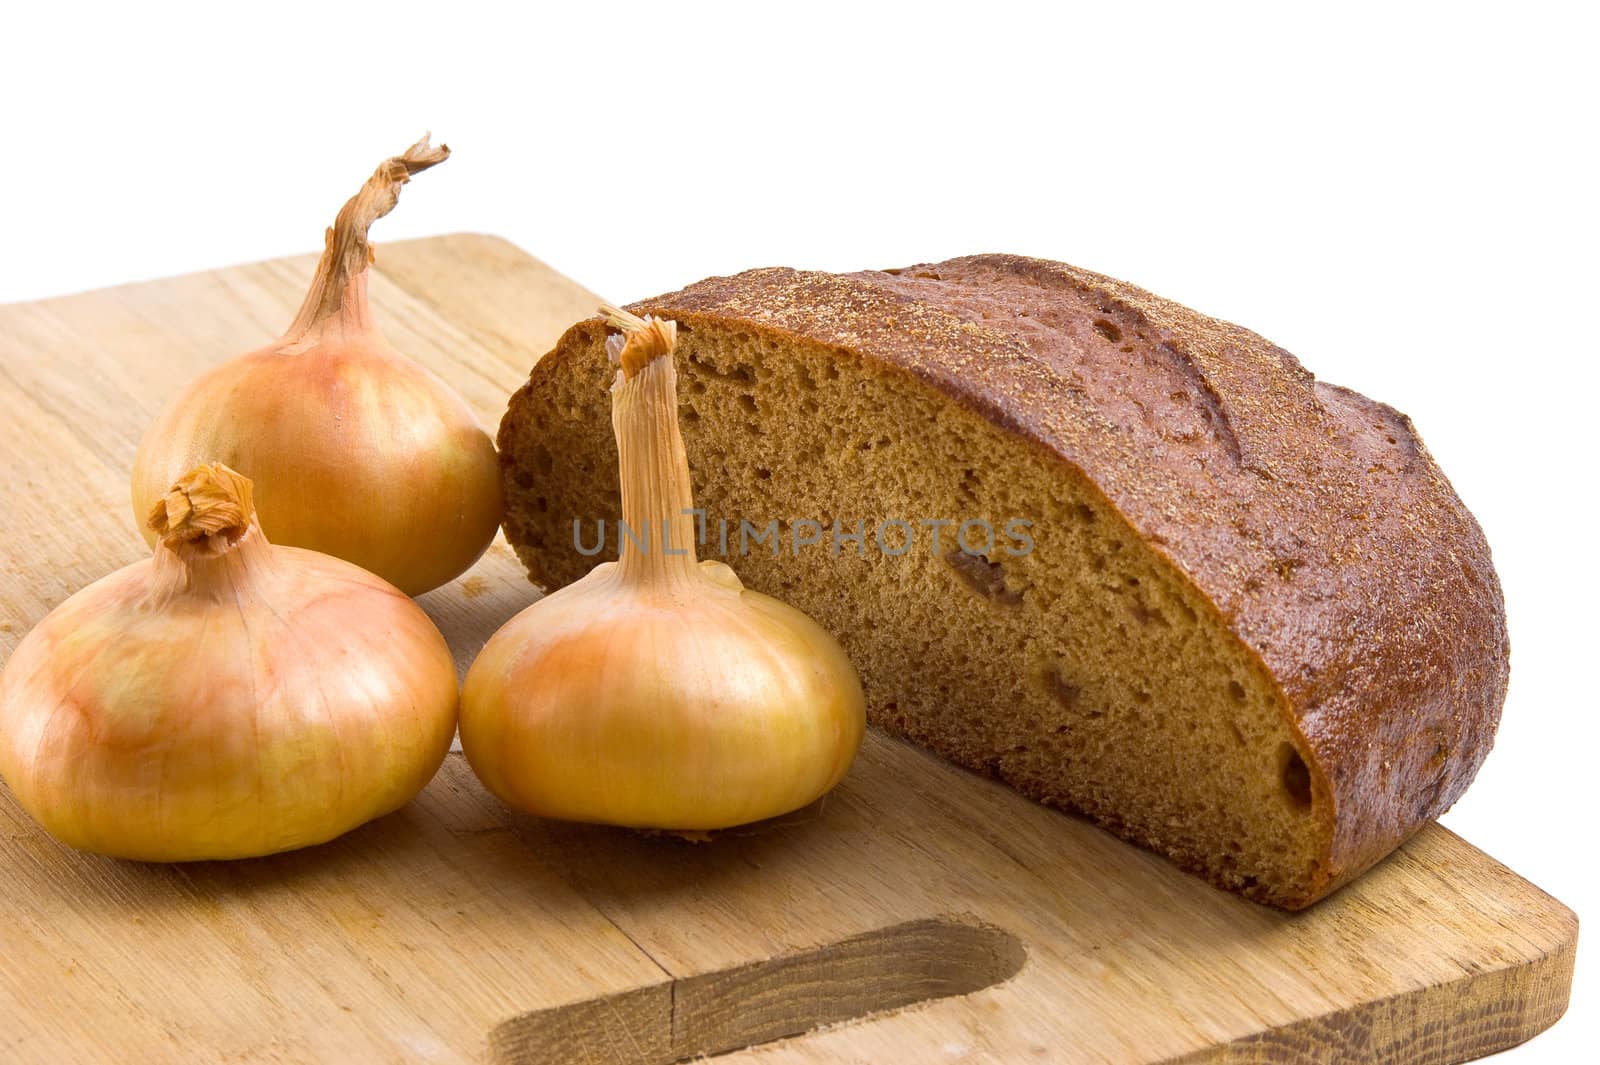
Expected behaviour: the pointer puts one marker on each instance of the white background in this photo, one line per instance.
(1404, 196)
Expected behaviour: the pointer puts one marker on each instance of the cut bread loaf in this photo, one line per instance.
(1256, 631)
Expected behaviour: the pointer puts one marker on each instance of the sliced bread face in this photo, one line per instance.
(1135, 608)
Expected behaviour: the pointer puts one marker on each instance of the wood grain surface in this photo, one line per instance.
(918, 914)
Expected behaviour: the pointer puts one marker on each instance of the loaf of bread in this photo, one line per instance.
(1228, 611)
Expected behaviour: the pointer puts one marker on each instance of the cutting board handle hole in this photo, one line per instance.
(716, 1013)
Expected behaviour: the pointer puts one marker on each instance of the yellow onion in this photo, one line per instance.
(355, 450)
(226, 697)
(658, 692)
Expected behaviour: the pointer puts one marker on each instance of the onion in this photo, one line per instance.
(658, 692)
(355, 450)
(225, 697)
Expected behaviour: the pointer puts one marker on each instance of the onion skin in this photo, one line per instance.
(263, 700)
(355, 450)
(626, 707)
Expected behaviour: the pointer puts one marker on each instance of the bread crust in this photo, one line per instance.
(1310, 517)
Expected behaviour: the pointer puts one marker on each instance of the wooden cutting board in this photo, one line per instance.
(973, 925)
